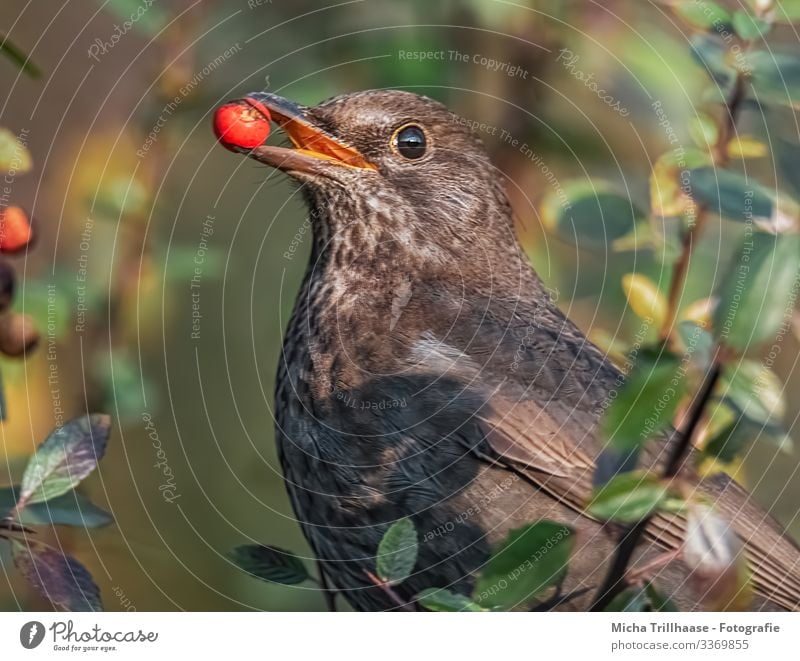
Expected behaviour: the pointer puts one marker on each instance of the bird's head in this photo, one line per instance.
(393, 163)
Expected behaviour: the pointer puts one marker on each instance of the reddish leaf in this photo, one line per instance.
(61, 579)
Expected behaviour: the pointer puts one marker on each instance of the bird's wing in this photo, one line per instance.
(540, 420)
(550, 460)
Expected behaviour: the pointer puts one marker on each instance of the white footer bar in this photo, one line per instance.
(398, 636)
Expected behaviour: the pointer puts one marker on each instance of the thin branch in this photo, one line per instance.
(396, 598)
(720, 155)
(615, 582)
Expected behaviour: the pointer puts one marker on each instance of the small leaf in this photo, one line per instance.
(703, 130)
(711, 53)
(706, 14)
(18, 57)
(71, 509)
(713, 553)
(14, 155)
(746, 146)
(630, 600)
(61, 579)
(65, 458)
(659, 602)
(788, 156)
(647, 401)
(766, 264)
(590, 213)
(644, 298)
(269, 563)
(697, 342)
(776, 77)
(700, 312)
(667, 197)
(445, 601)
(729, 443)
(639, 599)
(397, 552)
(749, 26)
(755, 391)
(532, 559)
(628, 498)
(730, 194)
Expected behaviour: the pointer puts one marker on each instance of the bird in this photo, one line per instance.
(428, 373)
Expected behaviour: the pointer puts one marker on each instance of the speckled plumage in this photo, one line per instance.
(426, 373)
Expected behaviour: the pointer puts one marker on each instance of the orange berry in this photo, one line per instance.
(15, 230)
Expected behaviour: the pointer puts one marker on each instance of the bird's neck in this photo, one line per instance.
(369, 259)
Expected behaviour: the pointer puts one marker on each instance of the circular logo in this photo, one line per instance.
(31, 635)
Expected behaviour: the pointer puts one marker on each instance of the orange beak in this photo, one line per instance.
(313, 146)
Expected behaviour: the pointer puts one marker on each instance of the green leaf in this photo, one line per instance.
(640, 599)
(14, 155)
(71, 509)
(445, 601)
(703, 130)
(755, 391)
(711, 53)
(590, 213)
(628, 497)
(269, 563)
(696, 341)
(748, 26)
(659, 602)
(65, 458)
(788, 157)
(61, 579)
(19, 57)
(730, 442)
(706, 14)
(730, 194)
(397, 552)
(775, 77)
(647, 401)
(754, 295)
(630, 600)
(532, 559)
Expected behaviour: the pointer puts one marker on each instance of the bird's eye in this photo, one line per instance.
(410, 142)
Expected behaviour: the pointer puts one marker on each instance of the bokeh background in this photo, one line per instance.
(129, 184)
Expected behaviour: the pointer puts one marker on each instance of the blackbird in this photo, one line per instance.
(427, 373)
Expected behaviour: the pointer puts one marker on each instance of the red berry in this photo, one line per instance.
(15, 230)
(241, 125)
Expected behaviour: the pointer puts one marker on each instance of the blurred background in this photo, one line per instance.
(165, 267)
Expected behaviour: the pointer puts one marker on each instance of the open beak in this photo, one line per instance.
(313, 146)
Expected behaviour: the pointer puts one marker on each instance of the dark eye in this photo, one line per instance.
(410, 142)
